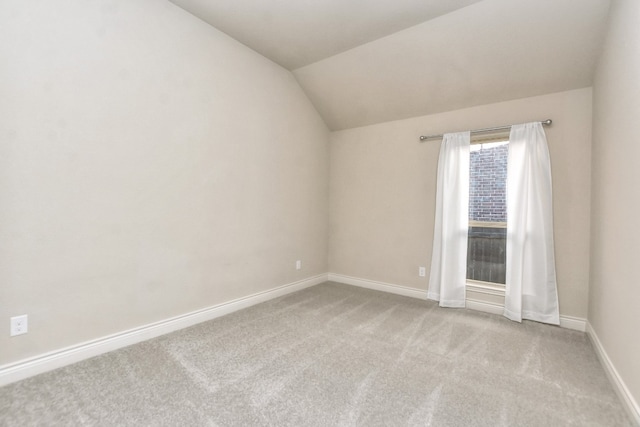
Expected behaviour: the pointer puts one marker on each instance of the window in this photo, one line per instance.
(486, 253)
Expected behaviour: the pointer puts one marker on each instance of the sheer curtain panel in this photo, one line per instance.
(531, 290)
(447, 280)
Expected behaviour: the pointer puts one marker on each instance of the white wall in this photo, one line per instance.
(383, 184)
(614, 304)
(149, 166)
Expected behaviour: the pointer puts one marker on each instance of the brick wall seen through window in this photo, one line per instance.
(487, 204)
(487, 184)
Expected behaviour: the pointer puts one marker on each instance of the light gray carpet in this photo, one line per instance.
(333, 355)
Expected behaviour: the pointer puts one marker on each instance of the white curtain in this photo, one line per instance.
(531, 291)
(448, 276)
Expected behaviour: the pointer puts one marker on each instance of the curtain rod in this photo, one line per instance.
(495, 129)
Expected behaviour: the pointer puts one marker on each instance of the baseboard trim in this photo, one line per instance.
(575, 323)
(378, 286)
(630, 404)
(485, 307)
(568, 322)
(56, 359)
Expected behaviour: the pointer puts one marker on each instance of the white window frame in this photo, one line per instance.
(481, 286)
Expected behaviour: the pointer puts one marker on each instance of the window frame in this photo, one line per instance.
(481, 285)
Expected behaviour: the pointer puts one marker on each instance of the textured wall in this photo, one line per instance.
(149, 166)
(614, 299)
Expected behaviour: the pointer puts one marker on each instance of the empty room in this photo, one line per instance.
(318, 213)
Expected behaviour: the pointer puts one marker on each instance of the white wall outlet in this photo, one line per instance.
(422, 271)
(298, 265)
(19, 325)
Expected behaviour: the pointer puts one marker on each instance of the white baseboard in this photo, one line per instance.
(620, 387)
(575, 323)
(56, 359)
(378, 286)
(567, 322)
(486, 307)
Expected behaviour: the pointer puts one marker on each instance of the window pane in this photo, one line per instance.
(488, 182)
(487, 204)
(486, 254)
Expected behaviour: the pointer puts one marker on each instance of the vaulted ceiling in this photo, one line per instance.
(369, 61)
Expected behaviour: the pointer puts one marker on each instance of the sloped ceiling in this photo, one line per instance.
(295, 33)
(369, 61)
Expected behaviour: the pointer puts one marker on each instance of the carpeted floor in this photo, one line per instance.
(332, 355)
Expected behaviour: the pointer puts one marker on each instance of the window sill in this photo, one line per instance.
(486, 288)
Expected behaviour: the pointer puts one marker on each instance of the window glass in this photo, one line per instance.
(488, 182)
(487, 212)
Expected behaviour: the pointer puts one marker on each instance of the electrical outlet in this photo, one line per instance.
(19, 325)
(422, 271)
(298, 265)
